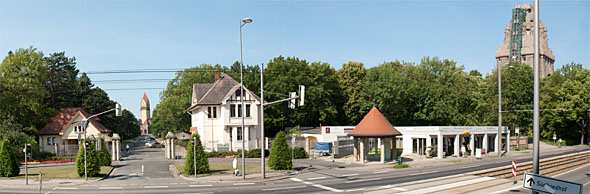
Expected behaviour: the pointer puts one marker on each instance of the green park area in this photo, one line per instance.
(59, 173)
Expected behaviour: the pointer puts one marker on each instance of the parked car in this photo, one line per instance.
(148, 144)
(157, 145)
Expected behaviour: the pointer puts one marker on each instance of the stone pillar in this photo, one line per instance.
(116, 146)
(382, 148)
(457, 147)
(258, 144)
(472, 144)
(496, 145)
(170, 145)
(362, 149)
(439, 147)
(355, 151)
(485, 142)
(428, 144)
(507, 141)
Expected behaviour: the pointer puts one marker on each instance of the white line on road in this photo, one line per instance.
(155, 187)
(378, 172)
(448, 186)
(109, 188)
(200, 185)
(399, 189)
(244, 183)
(353, 190)
(317, 178)
(67, 188)
(283, 188)
(363, 180)
(423, 173)
(347, 175)
(316, 185)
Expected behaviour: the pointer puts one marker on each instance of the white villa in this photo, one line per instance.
(60, 135)
(216, 115)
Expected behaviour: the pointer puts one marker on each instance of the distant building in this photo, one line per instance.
(216, 115)
(145, 115)
(519, 42)
(62, 133)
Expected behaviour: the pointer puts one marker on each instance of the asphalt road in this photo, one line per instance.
(157, 178)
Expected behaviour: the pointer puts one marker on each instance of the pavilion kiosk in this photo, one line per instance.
(376, 135)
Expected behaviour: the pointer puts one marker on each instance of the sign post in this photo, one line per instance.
(517, 133)
(554, 138)
(545, 184)
(514, 171)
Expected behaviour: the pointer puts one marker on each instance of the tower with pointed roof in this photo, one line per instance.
(145, 115)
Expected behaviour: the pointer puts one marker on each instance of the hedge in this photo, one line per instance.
(280, 154)
(201, 157)
(8, 163)
(93, 165)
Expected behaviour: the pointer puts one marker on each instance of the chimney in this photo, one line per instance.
(216, 75)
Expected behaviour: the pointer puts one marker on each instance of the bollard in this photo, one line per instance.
(40, 182)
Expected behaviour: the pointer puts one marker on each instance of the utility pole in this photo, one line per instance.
(244, 21)
(536, 96)
(85, 122)
(499, 139)
(262, 140)
(195, 155)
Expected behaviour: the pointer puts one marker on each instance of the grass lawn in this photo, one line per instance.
(401, 166)
(59, 173)
(227, 168)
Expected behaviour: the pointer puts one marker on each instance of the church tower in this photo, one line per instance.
(145, 115)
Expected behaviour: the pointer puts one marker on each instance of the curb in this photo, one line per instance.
(177, 174)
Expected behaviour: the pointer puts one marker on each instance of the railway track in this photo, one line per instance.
(548, 166)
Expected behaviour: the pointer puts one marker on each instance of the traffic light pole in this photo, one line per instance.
(118, 112)
(26, 167)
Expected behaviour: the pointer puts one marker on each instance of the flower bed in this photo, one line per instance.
(50, 161)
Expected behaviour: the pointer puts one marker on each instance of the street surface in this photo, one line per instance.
(127, 177)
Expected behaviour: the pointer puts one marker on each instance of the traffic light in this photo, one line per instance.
(293, 100)
(118, 110)
(194, 140)
(301, 95)
(28, 149)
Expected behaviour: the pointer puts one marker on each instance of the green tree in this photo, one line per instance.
(104, 156)
(14, 134)
(201, 157)
(8, 163)
(280, 154)
(350, 78)
(93, 164)
(22, 77)
(62, 79)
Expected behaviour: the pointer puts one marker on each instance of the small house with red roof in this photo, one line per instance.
(374, 128)
(60, 135)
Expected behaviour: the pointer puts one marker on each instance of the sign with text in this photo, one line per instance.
(516, 130)
(545, 184)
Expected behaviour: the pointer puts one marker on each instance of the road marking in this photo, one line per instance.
(448, 186)
(296, 179)
(244, 183)
(378, 172)
(347, 175)
(132, 174)
(399, 189)
(317, 178)
(183, 183)
(423, 173)
(67, 188)
(363, 180)
(283, 188)
(174, 183)
(200, 185)
(155, 187)
(316, 185)
(109, 188)
(353, 190)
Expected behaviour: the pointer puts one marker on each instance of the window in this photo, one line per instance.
(232, 110)
(208, 112)
(49, 141)
(239, 133)
(214, 112)
(238, 93)
(247, 110)
(239, 110)
(53, 140)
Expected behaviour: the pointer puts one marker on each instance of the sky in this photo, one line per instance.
(176, 34)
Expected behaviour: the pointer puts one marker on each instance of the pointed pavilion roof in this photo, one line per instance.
(144, 98)
(374, 124)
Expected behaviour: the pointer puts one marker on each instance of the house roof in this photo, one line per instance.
(374, 124)
(213, 94)
(61, 120)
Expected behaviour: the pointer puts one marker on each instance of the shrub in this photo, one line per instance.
(8, 163)
(256, 153)
(399, 152)
(280, 154)
(201, 157)
(93, 165)
(103, 155)
(299, 153)
(401, 166)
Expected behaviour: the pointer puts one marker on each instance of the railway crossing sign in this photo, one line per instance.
(545, 184)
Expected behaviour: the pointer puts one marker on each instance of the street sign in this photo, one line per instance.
(545, 184)
(554, 136)
(516, 130)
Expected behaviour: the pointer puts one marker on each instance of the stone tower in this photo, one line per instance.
(145, 115)
(519, 41)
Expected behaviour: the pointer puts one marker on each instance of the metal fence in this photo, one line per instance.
(343, 147)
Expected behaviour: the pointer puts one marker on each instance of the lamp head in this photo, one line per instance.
(247, 20)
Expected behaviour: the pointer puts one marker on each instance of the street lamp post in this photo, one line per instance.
(262, 141)
(536, 95)
(242, 23)
(499, 138)
(85, 122)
